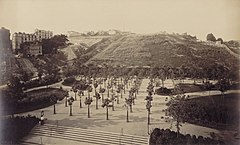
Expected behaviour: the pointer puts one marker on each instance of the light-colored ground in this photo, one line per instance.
(117, 119)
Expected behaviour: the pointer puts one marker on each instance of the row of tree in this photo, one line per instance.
(214, 72)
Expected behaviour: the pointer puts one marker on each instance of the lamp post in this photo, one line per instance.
(53, 100)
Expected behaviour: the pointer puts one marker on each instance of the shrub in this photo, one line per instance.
(48, 80)
(13, 129)
(163, 91)
(69, 81)
(32, 100)
(168, 137)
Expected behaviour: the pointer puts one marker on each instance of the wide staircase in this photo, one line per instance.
(80, 135)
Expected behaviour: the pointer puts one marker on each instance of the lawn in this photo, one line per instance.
(215, 111)
(33, 100)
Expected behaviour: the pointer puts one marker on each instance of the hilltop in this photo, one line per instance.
(159, 49)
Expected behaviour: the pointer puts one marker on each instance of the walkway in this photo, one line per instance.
(79, 126)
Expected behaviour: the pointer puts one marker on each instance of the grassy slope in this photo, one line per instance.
(163, 49)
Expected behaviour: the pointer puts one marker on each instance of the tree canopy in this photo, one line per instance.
(211, 37)
(51, 45)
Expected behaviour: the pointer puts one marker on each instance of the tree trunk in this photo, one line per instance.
(121, 94)
(88, 111)
(113, 105)
(108, 93)
(148, 117)
(65, 101)
(96, 102)
(131, 108)
(127, 114)
(80, 102)
(162, 83)
(107, 112)
(54, 109)
(70, 110)
(75, 95)
(117, 99)
(102, 97)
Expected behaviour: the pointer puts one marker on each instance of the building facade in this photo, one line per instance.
(6, 55)
(5, 38)
(38, 35)
(19, 38)
(32, 49)
(43, 34)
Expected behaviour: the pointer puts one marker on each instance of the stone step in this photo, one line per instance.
(91, 140)
(95, 137)
(95, 131)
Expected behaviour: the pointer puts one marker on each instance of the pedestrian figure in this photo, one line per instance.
(42, 120)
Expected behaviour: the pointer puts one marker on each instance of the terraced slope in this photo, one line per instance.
(160, 49)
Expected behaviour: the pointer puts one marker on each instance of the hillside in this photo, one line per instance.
(234, 46)
(159, 49)
(87, 41)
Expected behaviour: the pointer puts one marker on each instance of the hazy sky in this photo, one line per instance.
(196, 17)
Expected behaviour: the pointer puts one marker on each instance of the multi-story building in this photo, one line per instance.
(5, 38)
(38, 35)
(32, 48)
(43, 34)
(19, 38)
(6, 56)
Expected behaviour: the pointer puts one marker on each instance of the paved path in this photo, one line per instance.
(117, 119)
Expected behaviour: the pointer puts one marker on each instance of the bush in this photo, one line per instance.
(69, 81)
(48, 80)
(202, 112)
(168, 137)
(163, 91)
(14, 129)
(32, 100)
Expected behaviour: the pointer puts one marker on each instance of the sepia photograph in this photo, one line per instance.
(119, 72)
